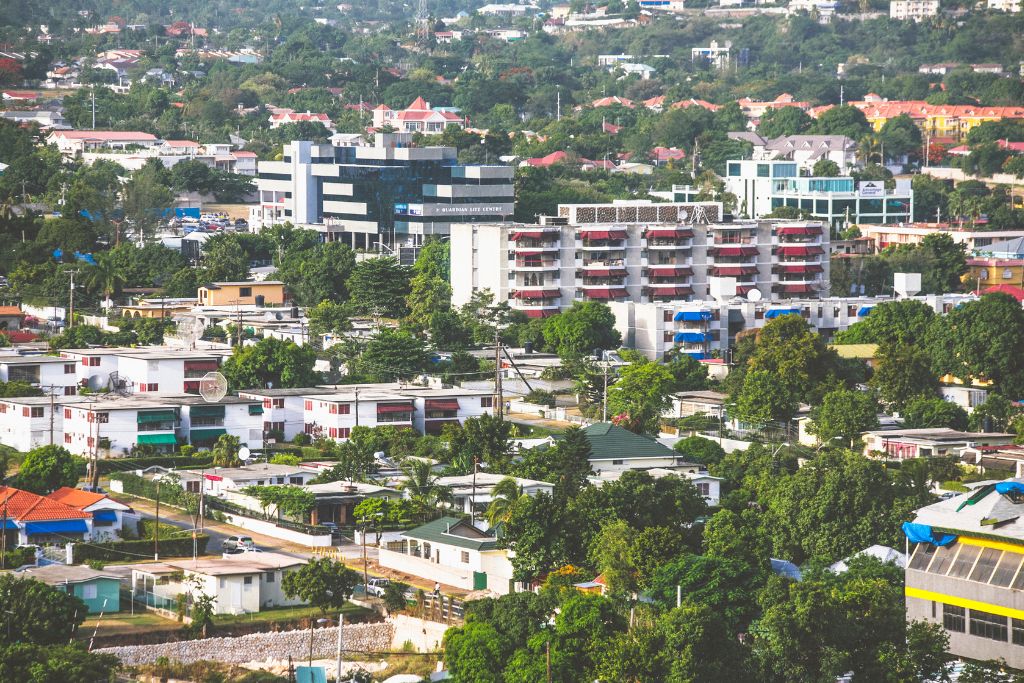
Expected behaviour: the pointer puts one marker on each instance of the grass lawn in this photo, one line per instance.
(124, 623)
(269, 616)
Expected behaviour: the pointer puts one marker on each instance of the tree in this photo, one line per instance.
(104, 277)
(641, 395)
(421, 484)
(534, 532)
(392, 355)
(764, 399)
(224, 260)
(901, 322)
(45, 664)
(932, 412)
(484, 440)
(900, 136)
(825, 168)
(722, 584)
(581, 329)
(566, 464)
(996, 414)
(688, 373)
(700, 450)
(845, 120)
(324, 583)
(48, 468)
(146, 197)
(844, 414)
(316, 275)
(292, 501)
(225, 451)
(505, 494)
(947, 262)
(784, 121)
(37, 613)
(610, 554)
(903, 371)
(475, 653)
(379, 287)
(271, 362)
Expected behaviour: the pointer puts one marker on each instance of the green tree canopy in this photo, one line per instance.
(270, 362)
(323, 583)
(844, 414)
(581, 329)
(48, 468)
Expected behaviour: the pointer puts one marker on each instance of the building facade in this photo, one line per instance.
(389, 193)
(917, 10)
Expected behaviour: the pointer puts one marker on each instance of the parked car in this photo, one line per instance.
(376, 587)
(237, 543)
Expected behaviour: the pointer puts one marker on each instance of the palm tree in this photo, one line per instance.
(104, 277)
(869, 149)
(421, 484)
(504, 497)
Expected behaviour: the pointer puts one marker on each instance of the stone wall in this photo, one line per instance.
(262, 646)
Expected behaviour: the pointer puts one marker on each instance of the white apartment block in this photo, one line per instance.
(542, 269)
(1005, 5)
(917, 10)
(33, 421)
(708, 329)
(57, 376)
(142, 370)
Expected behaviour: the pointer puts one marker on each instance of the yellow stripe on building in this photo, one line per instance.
(963, 602)
(995, 545)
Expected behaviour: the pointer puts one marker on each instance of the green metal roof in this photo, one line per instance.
(157, 439)
(453, 531)
(611, 442)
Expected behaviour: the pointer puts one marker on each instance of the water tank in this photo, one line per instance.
(598, 354)
(295, 311)
(261, 301)
(528, 347)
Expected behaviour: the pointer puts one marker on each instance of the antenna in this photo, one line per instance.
(213, 387)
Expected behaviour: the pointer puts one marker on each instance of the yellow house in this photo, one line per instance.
(983, 273)
(268, 293)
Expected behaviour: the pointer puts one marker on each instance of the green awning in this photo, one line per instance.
(206, 434)
(156, 416)
(157, 439)
(256, 409)
(206, 411)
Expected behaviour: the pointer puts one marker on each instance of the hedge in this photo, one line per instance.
(120, 551)
(145, 488)
(111, 465)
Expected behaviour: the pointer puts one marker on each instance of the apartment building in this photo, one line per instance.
(247, 293)
(389, 193)
(707, 329)
(32, 421)
(141, 370)
(53, 375)
(916, 10)
(914, 233)
(964, 570)
(642, 257)
(906, 444)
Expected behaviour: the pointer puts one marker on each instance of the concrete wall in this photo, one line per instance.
(258, 526)
(261, 646)
(451, 576)
(957, 175)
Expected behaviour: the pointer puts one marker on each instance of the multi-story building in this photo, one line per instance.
(707, 329)
(28, 422)
(141, 370)
(418, 117)
(761, 187)
(964, 570)
(979, 241)
(1005, 5)
(639, 252)
(917, 10)
(805, 150)
(935, 442)
(56, 376)
(389, 193)
(246, 293)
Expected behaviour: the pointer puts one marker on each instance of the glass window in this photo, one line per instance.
(986, 625)
(783, 171)
(871, 206)
(954, 618)
(943, 557)
(963, 563)
(734, 169)
(1006, 570)
(821, 207)
(923, 554)
(763, 171)
(807, 204)
(987, 562)
(1018, 631)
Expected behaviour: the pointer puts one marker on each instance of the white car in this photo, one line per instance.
(376, 587)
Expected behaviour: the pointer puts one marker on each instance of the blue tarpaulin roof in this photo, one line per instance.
(60, 526)
(690, 337)
(692, 316)
(1009, 487)
(922, 533)
(105, 516)
(776, 312)
(863, 311)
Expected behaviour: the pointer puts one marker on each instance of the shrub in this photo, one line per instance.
(120, 551)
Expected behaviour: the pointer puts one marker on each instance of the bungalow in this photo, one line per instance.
(239, 584)
(616, 448)
(75, 142)
(453, 552)
(709, 487)
(30, 518)
(336, 500)
(471, 492)
(100, 591)
(418, 117)
(285, 116)
(107, 514)
(904, 444)
(218, 480)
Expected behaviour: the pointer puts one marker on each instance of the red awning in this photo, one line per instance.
(671, 291)
(214, 477)
(442, 404)
(813, 250)
(665, 271)
(394, 408)
(742, 290)
(604, 272)
(799, 230)
(540, 312)
(437, 426)
(534, 235)
(669, 233)
(799, 269)
(733, 271)
(604, 292)
(523, 252)
(604, 234)
(796, 288)
(536, 294)
(733, 251)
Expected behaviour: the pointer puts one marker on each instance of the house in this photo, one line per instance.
(688, 403)
(418, 117)
(239, 584)
(265, 293)
(472, 494)
(53, 375)
(453, 552)
(336, 500)
(74, 142)
(28, 422)
(31, 518)
(107, 513)
(285, 116)
(709, 487)
(715, 54)
(963, 571)
(100, 591)
(218, 480)
(616, 448)
(904, 444)
(805, 150)
(44, 118)
(916, 10)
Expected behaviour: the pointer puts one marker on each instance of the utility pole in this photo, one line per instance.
(604, 406)
(51, 415)
(156, 528)
(499, 402)
(94, 108)
(94, 478)
(357, 406)
(71, 299)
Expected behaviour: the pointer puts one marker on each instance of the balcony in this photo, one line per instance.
(610, 260)
(530, 295)
(799, 250)
(536, 264)
(668, 292)
(604, 292)
(737, 251)
(738, 270)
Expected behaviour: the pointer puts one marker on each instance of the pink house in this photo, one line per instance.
(419, 117)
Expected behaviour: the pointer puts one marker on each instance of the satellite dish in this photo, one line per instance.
(754, 295)
(244, 453)
(213, 387)
(189, 330)
(379, 455)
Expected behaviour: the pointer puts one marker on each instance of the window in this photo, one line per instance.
(704, 488)
(987, 562)
(465, 557)
(222, 582)
(270, 577)
(1017, 634)
(244, 291)
(344, 409)
(1007, 274)
(93, 362)
(1006, 570)
(90, 442)
(964, 562)
(943, 557)
(70, 391)
(67, 438)
(343, 432)
(69, 368)
(152, 386)
(616, 462)
(102, 418)
(486, 401)
(953, 618)
(267, 403)
(307, 405)
(986, 625)
(763, 171)
(89, 591)
(279, 403)
(923, 554)
(67, 413)
(38, 412)
(247, 580)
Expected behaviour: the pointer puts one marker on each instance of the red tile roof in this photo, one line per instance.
(10, 310)
(1016, 292)
(76, 498)
(29, 507)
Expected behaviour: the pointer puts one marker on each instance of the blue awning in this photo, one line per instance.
(60, 526)
(776, 312)
(10, 524)
(690, 337)
(692, 316)
(696, 355)
(863, 311)
(922, 533)
(105, 516)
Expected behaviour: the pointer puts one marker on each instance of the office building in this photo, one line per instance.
(388, 193)
(917, 10)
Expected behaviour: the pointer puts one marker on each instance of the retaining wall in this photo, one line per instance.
(262, 646)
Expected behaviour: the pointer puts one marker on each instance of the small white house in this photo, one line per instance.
(469, 491)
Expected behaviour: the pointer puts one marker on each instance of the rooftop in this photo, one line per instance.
(611, 442)
(58, 574)
(453, 531)
(983, 511)
(24, 506)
